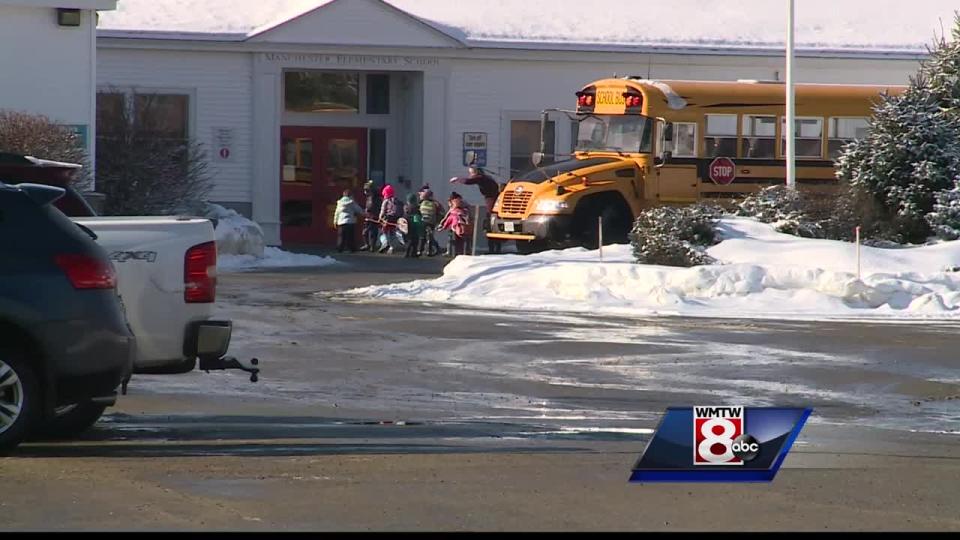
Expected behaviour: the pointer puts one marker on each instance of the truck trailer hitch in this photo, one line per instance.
(229, 362)
(209, 341)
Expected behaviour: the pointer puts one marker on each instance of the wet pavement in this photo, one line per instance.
(347, 380)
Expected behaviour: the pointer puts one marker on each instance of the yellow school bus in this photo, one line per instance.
(643, 143)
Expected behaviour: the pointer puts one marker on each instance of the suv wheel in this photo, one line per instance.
(19, 399)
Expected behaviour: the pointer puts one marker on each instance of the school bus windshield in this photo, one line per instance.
(615, 133)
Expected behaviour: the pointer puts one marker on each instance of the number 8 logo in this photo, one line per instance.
(710, 439)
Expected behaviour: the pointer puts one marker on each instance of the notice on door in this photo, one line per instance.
(475, 142)
(223, 142)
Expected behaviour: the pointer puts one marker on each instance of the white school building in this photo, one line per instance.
(297, 99)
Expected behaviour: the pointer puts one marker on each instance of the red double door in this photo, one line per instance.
(317, 164)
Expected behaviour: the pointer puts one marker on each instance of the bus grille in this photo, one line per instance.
(515, 203)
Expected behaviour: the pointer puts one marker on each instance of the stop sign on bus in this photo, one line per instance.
(722, 171)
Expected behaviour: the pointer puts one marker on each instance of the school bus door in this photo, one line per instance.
(677, 178)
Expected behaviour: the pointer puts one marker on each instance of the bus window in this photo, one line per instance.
(759, 137)
(684, 143)
(808, 137)
(842, 131)
(721, 135)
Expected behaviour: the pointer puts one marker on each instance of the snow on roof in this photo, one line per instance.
(850, 25)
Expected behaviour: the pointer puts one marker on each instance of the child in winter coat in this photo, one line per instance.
(391, 210)
(457, 221)
(371, 207)
(345, 219)
(411, 212)
(431, 213)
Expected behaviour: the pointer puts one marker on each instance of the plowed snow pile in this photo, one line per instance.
(762, 273)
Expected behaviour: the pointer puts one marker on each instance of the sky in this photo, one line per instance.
(822, 24)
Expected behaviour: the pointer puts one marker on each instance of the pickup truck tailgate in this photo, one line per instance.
(149, 256)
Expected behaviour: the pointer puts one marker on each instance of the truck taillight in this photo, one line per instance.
(200, 274)
(86, 272)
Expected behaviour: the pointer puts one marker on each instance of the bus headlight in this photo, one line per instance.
(551, 206)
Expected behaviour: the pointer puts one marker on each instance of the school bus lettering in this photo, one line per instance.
(647, 143)
(610, 97)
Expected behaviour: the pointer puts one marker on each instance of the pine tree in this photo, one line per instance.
(912, 150)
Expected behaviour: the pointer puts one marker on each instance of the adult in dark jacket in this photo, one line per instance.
(490, 190)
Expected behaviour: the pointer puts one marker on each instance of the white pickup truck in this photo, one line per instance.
(166, 278)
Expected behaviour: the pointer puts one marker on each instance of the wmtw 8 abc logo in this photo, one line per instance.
(719, 444)
(719, 437)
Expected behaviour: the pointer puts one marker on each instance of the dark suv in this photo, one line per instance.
(65, 346)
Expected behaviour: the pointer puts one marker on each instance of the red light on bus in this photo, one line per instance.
(585, 100)
(633, 101)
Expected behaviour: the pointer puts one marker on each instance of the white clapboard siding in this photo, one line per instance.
(221, 97)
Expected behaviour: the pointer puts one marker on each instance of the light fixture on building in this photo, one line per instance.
(68, 17)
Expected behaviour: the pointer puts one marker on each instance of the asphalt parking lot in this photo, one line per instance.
(372, 416)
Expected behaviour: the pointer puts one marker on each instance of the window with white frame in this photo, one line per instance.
(525, 140)
(150, 114)
(721, 135)
(808, 137)
(683, 141)
(759, 137)
(844, 130)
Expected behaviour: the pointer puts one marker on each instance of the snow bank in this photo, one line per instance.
(272, 258)
(240, 245)
(236, 235)
(765, 274)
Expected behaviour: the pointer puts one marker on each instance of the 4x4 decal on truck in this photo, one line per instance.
(124, 256)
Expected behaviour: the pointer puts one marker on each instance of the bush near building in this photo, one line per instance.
(911, 155)
(142, 170)
(38, 136)
(675, 236)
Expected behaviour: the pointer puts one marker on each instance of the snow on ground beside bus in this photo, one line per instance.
(272, 258)
(821, 24)
(765, 274)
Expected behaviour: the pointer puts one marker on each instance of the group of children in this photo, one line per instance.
(391, 226)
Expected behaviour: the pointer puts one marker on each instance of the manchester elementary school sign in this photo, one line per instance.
(352, 59)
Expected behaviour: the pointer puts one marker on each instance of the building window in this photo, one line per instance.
(163, 116)
(298, 160)
(110, 113)
(759, 137)
(721, 135)
(378, 94)
(843, 131)
(808, 137)
(684, 139)
(321, 91)
(378, 156)
(525, 140)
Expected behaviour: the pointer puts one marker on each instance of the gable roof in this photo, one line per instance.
(850, 26)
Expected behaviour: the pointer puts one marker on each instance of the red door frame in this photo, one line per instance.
(323, 190)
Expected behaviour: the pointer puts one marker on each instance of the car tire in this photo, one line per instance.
(72, 422)
(20, 398)
(616, 228)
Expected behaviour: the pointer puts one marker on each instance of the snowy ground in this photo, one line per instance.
(763, 274)
(272, 258)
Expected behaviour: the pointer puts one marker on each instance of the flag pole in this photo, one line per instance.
(790, 126)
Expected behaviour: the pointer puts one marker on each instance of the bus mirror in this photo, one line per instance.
(536, 158)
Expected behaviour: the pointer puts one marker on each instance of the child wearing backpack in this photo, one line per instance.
(431, 213)
(391, 210)
(457, 221)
